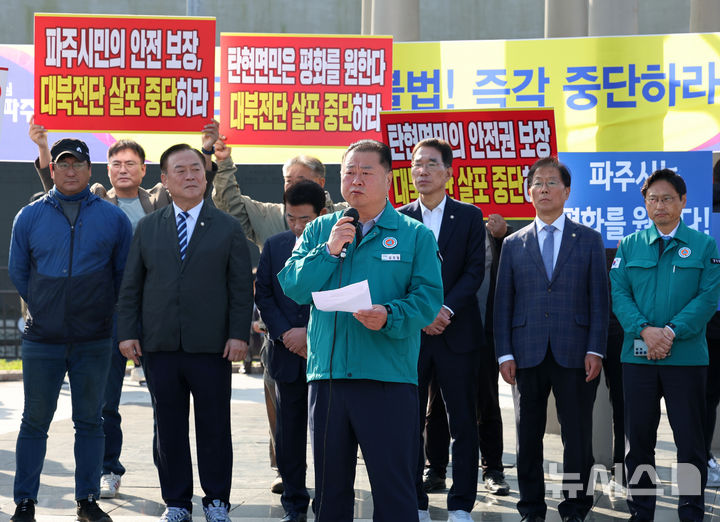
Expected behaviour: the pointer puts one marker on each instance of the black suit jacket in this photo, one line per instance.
(279, 312)
(197, 304)
(462, 247)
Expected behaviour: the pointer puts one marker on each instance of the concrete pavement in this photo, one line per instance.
(139, 499)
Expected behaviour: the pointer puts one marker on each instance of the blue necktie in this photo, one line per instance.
(548, 250)
(182, 233)
(664, 240)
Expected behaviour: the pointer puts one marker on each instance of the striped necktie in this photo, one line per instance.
(182, 233)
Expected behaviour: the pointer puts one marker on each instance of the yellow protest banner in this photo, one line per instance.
(630, 93)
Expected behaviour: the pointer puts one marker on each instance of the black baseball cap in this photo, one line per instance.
(77, 148)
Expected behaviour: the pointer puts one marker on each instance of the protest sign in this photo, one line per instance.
(492, 151)
(303, 89)
(124, 73)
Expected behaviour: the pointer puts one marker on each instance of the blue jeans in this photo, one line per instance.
(44, 367)
(111, 413)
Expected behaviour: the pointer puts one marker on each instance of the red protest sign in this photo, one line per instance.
(124, 73)
(492, 151)
(303, 89)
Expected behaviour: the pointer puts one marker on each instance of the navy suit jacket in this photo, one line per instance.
(569, 312)
(462, 247)
(279, 312)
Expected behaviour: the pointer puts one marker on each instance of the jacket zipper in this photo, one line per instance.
(68, 300)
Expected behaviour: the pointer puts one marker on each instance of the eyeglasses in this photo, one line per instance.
(64, 165)
(129, 165)
(551, 184)
(665, 200)
(429, 165)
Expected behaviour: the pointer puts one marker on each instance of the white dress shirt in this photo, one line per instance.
(191, 220)
(559, 225)
(433, 218)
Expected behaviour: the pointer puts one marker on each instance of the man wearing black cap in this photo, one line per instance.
(67, 255)
(126, 170)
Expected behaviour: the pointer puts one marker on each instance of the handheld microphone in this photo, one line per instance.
(352, 213)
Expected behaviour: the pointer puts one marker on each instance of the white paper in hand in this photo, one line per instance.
(350, 298)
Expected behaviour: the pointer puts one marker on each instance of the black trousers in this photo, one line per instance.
(382, 418)
(613, 379)
(456, 375)
(291, 427)
(683, 388)
(574, 399)
(171, 378)
(712, 395)
(437, 432)
(489, 418)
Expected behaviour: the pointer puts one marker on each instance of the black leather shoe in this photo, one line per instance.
(637, 518)
(572, 518)
(89, 511)
(25, 511)
(533, 518)
(294, 517)
(432, 481)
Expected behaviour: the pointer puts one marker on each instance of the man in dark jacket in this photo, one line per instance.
(126, 170)
(67, 256)
(188, 280)
(286, 323)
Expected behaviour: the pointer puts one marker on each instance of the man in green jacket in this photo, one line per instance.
(362, 367)
(665, 288)
(261, 220)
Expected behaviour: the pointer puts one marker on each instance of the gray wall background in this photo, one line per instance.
(439, 20)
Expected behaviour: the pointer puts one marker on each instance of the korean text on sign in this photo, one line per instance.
(492, 152)
(303, 90)
(124, 73)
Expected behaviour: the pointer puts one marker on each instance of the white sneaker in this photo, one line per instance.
(459, 516)
(109, 485)
(713, 477)
(176, 514)
(424, 515)
(217, 511)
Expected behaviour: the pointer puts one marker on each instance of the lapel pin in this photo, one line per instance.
(202, 224)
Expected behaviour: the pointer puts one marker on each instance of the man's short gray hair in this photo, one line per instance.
(310, 162)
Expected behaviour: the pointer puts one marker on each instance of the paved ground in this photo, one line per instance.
(252, 501)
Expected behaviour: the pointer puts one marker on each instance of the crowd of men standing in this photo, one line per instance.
(163, 277)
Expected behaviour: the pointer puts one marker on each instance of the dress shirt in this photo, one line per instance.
(559, 224)
(191, 220)
(670, 235)
(367, 226)
(433, 218)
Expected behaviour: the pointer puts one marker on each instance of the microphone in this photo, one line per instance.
(352, 213)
